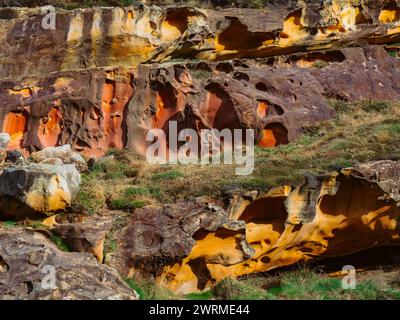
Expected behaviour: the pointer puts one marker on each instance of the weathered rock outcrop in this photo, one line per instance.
(327, 216)
(30, 188)
(160, 235)
(32, 267)
(93, 82)
(81, 233)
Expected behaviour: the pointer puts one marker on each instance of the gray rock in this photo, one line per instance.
(64, 153)
(37, 187)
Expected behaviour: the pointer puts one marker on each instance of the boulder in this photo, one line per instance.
(33, 268)
(63, 153)
(83, 233)
(37, 188)
(158, 236)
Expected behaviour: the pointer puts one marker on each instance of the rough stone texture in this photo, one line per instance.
(159, 235)
(24, 256)
(94, 82)
(327, 216)
(30, 188)
(83, 233)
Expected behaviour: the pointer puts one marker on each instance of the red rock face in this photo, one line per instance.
(114, 102)
(98, 110)
(15, 125)
(50, 128)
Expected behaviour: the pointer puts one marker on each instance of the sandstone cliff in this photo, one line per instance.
(104, 76)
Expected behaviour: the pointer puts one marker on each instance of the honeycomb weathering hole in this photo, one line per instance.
(261, 87)
(175, 24)
(262, 109)
(273, 135)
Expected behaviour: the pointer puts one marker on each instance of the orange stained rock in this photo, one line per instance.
(262, 109)
(349, 215)
(273, 135)
(116, 96)
(15, 125)
(292, 30)
(166, 108)
(26, 92)
(389, 15)
(218, 109)
(57, 200)
(50, 128)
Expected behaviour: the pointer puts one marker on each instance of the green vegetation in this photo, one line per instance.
(149, 291)
(303, 284)
(60, 243)
(9, 224)
(300, 284)
(360, 132)
(168, 175)
(201, 74)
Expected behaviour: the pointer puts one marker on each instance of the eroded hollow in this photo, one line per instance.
(15, 124)
(175, 24)
(273, 135)
(219, 109)
(49, 132)
(365, 211)
(238, 37)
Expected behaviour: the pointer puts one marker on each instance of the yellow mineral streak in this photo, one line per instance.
(49, 198)
(26, 92)
(292, 30)
(75, 31)
(169, 32)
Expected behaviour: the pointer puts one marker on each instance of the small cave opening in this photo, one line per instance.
(241, 76)
(15, 124)
(273, 135)
(166, 104)
(225, 67)
(175, 24)
(320, 59)
(238, 37)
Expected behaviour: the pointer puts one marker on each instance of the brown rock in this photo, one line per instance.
(83, 233)
(29, 261)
